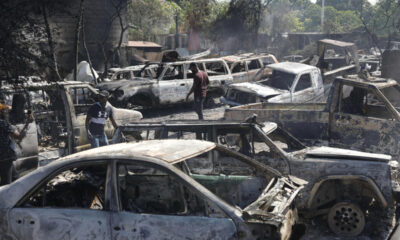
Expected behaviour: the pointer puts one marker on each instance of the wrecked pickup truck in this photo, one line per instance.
(167, 83)
(60, 113)
(337, 178)
(335, 58)
(359, 114)
(163, 189)
(289, 82)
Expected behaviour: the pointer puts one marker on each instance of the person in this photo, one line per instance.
(7, 146)
(199, 88)
(96, 119)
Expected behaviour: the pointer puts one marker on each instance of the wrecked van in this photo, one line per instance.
(247, 67)
(163, 189)
(167, 83)
(337, 179)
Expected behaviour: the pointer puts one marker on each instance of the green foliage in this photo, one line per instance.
(151, 17)
(200, 14)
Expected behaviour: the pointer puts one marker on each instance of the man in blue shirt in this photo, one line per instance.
(96, 119)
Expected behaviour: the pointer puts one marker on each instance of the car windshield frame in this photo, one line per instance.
(281, 80)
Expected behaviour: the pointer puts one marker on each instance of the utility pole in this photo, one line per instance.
(322, 15)
(176, 30)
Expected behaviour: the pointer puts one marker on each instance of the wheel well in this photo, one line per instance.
(142, 99)
(361, 190)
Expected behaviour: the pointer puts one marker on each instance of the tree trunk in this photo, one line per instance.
(87, 51)
(77, 32)
(51, 43)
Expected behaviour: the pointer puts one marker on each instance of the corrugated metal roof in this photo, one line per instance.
(142, 44)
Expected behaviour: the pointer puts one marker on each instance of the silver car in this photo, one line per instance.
(161, 189)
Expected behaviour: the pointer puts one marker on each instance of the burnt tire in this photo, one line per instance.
(346, 219)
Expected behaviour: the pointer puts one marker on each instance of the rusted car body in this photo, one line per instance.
(164, 189)
(60, 112)
(167, 83)
(334, 176)
(289, 82)
(123, 73)
(247, 67)
(359, 114)
(335, 58)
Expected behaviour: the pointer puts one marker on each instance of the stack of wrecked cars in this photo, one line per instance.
(297, 82)
(347, 187)
(162, 189)
(60, 112)
(167, 83)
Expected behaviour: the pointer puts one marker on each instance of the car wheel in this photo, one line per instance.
(346, 219)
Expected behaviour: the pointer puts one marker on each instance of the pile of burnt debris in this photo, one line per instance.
(304, 150)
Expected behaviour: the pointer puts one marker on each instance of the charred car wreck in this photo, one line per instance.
(167, 83)
(359, 114)
(163, 189)
(336, 178)
(289, 82)
(60, 112)
(250, 67)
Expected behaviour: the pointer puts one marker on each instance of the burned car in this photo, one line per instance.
(361, 114)
(60, 112)
(162, 189)
(247, 67)
(289, 82)
(357, 182)
(167, 83)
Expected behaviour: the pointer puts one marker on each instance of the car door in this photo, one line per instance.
(173, 87)
(303, 90)
(27, 148)
(362, 121)
(239, 72)
(70, 205)
(156, 205)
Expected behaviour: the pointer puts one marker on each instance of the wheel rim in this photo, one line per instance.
(346, 219)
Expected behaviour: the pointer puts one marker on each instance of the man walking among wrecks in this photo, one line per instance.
(199, 89)
(96, 120)
(7, 145)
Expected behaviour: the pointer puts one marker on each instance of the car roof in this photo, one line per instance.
(373, 81)
(169, 150)
(291, 67)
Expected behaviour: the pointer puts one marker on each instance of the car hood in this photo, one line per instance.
(339, 153)
(111, 85)
(274, 202)
(258, 89)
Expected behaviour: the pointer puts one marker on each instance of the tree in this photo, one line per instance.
(26, 41)
(383, 19)
(151, 17)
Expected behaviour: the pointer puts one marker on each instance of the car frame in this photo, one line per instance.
(335, 177)
(270, 215)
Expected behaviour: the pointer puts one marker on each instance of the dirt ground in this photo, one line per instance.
(378, 227)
